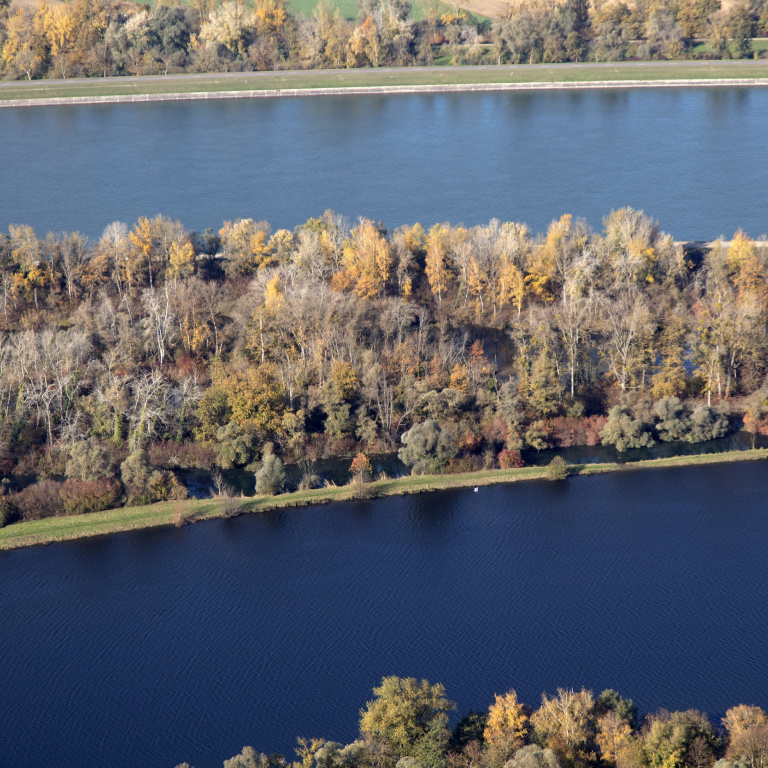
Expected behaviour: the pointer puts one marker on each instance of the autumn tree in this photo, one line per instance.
(747, 728)
(565, 723)
(506, 729)
(437, 262)
(367, 262)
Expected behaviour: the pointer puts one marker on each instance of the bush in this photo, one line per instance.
(164, 486)
(43, 499)
(135, 472)
(82, 496)
(510, 459)
(557, 469)
(270, 477)
(8, 512)
(674, 420)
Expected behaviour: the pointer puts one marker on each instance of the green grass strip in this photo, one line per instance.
(53, 529)
(413, 76)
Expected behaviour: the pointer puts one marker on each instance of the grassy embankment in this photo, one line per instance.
(270, 81)
(171, 513)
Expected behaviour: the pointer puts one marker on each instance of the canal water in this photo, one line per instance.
(150, 648)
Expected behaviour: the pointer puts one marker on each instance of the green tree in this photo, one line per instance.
(612, 701)
(426, 447)
(88, 461)
(625, 432)
(680, 739)
(408, 717)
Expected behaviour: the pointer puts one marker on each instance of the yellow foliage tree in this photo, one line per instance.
(246, 245)
(437, 262)
(742, 718)
(271, 16)
(506, 729)
(367, 260)
(459, 377)
(181, 261)
(564, 723)
(615, 740)
(345, 378)
(511, 291)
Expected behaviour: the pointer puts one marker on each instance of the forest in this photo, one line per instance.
(406, 724)
(100, 38)
(153, 349)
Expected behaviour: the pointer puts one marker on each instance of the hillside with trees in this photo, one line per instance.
(406, 725)
(155, 349)
(100, 38)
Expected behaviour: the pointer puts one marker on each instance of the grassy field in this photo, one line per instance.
(268, 81)
(185, 512)
(759, 44)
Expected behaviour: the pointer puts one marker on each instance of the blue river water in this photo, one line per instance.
(150, 648)
(695, 159)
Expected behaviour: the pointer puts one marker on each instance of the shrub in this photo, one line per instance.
(270, 477)
(572, 430)
(43, 499)
(674, 420)
(539, 435)
(510, 459)
(164, 486)
(81, 496)
(8, 511)
(557, 469)
(135, 472)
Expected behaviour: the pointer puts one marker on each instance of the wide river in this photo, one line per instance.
(151, 648)
(695, 159)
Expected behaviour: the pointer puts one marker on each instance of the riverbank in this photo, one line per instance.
(383, 81)
(49, 530)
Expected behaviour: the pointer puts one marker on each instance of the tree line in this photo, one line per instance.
(154, 349)
(406, 724)
(100, 38)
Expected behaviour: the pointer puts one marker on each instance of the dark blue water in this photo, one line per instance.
(150, 648)
(695, 159)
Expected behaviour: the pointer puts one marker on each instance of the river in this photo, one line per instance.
(693, 158)
(150, 648)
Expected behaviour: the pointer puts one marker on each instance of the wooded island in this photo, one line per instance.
(155, 349)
